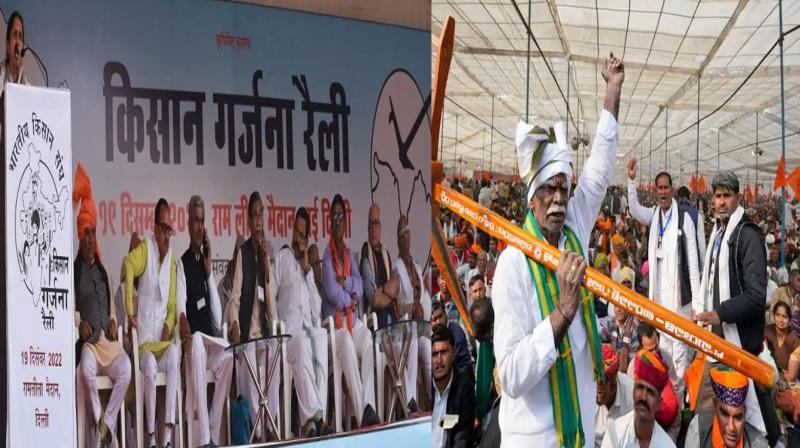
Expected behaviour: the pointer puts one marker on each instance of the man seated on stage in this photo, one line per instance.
(343, 289)
(200, 320)
(102, 353)
(415, 302)
(453, 397)
(252, 309)
(614, 395)
(152, 262)
(307, 349)
(638, 428)
(315, 262)
(726, 426)
(380, 291)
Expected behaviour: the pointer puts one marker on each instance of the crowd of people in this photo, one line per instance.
(613, 380)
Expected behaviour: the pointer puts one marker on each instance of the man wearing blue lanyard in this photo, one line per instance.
(674, 276)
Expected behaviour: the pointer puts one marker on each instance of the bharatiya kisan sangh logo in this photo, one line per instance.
(42, 198)
(401, 158)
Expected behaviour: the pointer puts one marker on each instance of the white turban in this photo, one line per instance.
(538, 163)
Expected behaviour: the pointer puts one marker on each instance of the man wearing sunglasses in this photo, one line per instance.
(415, 303)
(342, 291)
(154, 317)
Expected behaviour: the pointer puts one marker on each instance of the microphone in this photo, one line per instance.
(46, 78)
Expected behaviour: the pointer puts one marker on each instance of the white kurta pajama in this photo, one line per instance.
(665, 279)
(153, 313)
(420, 347)
(355, 348)
(264, 297)
(206, 352)
(524, 345)
(294, 299)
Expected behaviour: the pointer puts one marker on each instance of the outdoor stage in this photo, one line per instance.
(410, 433)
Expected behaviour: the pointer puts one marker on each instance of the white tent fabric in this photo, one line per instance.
(665, 46)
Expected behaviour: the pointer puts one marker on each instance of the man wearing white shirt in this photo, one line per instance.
(481, 262)
(534, 347)
(413, 300)
(306, 349)
(200, 321)
(674, 278)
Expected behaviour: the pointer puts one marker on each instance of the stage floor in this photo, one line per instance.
(415, 432)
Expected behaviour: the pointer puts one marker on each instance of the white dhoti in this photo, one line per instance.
(350, 350)
(170, 365)
(245, 382)
(208, 353)
(419, 365)
(302, 353)
(320, 338)
(680, 356)
(120, 373)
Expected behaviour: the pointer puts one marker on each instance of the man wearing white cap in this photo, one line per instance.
(546, 344)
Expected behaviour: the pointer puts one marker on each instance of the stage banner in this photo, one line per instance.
(221, 99)
(40, 323)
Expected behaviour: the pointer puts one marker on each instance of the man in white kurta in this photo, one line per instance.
(525, 345)
(415, 301)
(154, 317)
(295, 282)
(666, 271)
(200, 317)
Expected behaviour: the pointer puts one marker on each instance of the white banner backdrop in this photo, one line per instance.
(41, 344)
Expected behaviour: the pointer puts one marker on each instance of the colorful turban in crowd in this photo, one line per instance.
(649, 367)
(542, 154)
(645, 268)
(669, 408)
(627, 274)
(610, 362)
(617, 239)
(730, 386)
(460, 241)
(600, 261)
(475, 248)
(82, 192)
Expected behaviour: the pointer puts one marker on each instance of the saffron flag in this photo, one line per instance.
(780, 176)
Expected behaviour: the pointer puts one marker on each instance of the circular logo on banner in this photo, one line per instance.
(39, 211)
(400, 162)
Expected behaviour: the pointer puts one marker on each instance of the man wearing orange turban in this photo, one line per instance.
(100, 351)
(726, 426)
(639, 428)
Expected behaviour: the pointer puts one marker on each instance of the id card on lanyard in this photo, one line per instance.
(661, 231)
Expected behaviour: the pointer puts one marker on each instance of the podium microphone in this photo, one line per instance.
(46, 78)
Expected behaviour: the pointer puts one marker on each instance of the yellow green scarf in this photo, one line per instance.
(563, 385)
